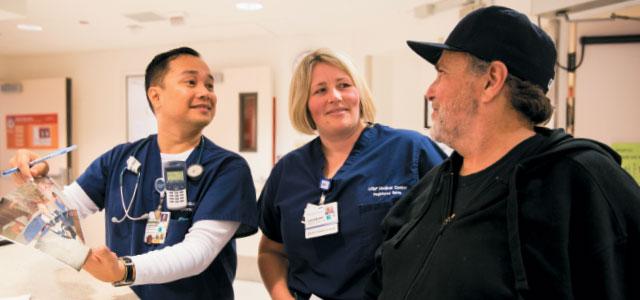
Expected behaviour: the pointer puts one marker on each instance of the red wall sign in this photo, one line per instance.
(32, 131)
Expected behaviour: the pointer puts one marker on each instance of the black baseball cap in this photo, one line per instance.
(503, 34)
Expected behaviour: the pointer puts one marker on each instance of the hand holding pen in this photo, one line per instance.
(30, 165)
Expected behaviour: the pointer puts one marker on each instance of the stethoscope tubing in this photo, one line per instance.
(127, 208)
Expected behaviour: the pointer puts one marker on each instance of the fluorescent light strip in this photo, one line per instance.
(29, 27)
(249, 6)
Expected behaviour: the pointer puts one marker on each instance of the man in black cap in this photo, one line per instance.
(517, 211)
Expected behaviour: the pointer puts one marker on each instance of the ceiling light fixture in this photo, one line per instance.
(177, 18)
(249, 6)
(29, 27)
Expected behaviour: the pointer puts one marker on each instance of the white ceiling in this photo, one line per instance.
(108, 27)
(205, 20)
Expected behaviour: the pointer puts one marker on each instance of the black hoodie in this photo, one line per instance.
(562, 223)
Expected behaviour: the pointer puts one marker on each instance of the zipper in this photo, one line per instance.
(449, 203)
(450, 217)
(447, 220)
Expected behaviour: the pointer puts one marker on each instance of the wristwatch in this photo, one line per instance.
(129, 272)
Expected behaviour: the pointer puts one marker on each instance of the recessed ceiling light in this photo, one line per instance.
(249, 6)
(29, 27)
(177, 18)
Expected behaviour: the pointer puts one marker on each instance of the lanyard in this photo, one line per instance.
(322, 219)
(325, 185)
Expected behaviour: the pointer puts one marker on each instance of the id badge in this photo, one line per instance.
(157, 226)
(320, 220)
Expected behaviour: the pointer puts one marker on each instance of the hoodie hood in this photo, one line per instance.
(558, 143)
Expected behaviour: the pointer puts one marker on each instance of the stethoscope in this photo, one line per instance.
(194, 172)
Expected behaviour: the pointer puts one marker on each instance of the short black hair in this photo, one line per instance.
(159, 66)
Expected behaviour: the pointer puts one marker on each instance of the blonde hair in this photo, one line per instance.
(300, 89)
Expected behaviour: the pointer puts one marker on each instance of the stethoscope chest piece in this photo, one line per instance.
(195, 171)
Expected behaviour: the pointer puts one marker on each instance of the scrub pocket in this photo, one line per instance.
(178, 228)
(122, 230)
(371, 216)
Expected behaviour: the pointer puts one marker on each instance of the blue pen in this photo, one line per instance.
(58, 152)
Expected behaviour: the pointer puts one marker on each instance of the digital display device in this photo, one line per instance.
(175, 176)
(176, 184)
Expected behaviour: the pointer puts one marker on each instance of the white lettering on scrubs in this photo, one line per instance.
(387, 190)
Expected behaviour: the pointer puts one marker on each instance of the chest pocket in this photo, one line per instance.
(178, 228)
(371, 211)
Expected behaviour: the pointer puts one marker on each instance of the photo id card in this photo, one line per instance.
(320, 220)
(157, 226)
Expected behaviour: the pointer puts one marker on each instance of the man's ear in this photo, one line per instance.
(495, 78)
(154, 96)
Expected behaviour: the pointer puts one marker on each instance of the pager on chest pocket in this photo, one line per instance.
(175, 174)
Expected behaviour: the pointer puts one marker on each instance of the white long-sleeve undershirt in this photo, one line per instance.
(194, 254)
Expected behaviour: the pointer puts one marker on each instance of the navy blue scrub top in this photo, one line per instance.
(382, 166)
(224, 192)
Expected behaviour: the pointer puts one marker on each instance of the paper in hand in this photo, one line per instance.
(35, 215)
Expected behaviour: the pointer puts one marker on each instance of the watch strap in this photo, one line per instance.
(129, 272)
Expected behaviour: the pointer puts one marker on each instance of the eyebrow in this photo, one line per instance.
(319, 84)
(339, 79)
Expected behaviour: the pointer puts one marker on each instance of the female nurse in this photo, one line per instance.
(321, 207)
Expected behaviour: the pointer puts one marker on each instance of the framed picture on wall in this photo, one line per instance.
(248, 122)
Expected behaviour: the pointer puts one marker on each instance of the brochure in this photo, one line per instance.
(35, 215)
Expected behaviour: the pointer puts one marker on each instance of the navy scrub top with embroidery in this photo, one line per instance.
(224, 192)
(382, 165)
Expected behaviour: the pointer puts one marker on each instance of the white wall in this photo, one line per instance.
(400, 77)
(27, 102)
(607, 89)
(225, 129)
(3, 68)
(607, 103)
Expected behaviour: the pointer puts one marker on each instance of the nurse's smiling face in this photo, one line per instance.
(186, 95)
(334, 101)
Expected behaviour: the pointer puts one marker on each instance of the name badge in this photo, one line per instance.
(320, 220)
(157, 226)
